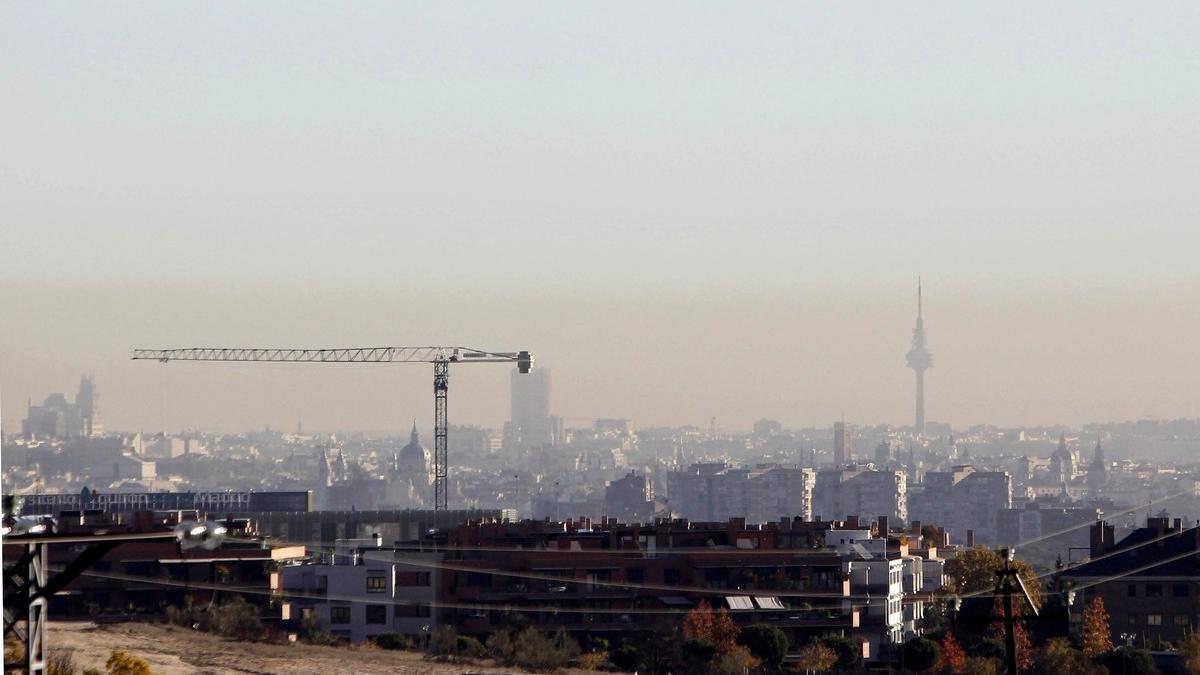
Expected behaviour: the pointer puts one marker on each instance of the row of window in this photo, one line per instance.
(377, 614)
(1157, 619)
(1156, 590)
(377, 583)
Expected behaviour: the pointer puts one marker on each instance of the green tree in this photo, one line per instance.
(848, 650)
(974, 571)
(626, 657)
(698, 655)
(767, 643)
(920, 654)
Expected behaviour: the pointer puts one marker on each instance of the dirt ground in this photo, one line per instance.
(172, 650)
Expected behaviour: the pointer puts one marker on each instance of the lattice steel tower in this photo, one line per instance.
(919, 359)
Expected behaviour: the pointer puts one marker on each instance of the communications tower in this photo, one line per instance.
(919, 359)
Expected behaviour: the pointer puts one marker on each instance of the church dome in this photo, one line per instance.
(414, 458)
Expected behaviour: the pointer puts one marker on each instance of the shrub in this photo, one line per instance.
(500, 647)
(312, 632)
(14, 651)
(982, 665)
(124, 663)
(532, 649)
(469, 647)
(239, 620)
(736, 661)
(626, 657)
(443, 642)
(817, 656)
(393, 641)
(593, 660)
(1130, 662)
(61, 662)
(189, 615)
(920, 654)
(1056, 655)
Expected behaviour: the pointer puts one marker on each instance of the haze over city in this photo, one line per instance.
(712, 212)
(694, 339)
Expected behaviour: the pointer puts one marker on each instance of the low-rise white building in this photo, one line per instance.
(365, 591)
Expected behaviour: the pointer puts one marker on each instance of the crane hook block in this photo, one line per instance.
(524, 362)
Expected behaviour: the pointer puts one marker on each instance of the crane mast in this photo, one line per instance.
(440, 357)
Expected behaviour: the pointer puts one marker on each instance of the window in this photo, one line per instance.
(376, 613)
(1154, 619)
(339, 614)
(1180, 590)
(1133, 619)
(1181, 620)
(1153, 590)
(635, 575)
(1132, 590)
(376, 584)
(412, 579)
(408, 611)
(672, 576)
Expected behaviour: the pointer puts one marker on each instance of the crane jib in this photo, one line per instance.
(440, 357)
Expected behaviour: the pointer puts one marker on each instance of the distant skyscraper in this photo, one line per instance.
(88, 402)
(919, 359)
(529, 421)
(842, 453)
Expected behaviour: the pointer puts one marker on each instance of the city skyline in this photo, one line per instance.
(237, 237)
(658, 214)
(1073, 374)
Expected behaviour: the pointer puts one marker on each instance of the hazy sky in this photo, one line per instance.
(683, 209)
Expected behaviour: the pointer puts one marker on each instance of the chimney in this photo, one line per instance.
(1101, 539)
(970, 538)
(916, 528)
(883, 526)
(851, 522)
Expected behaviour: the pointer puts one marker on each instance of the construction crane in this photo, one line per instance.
(440, 357)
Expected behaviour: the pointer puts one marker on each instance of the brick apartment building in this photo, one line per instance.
(1149, 581)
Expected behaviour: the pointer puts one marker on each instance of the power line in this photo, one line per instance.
(396, 601)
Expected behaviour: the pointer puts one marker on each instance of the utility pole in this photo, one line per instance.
(1008, 581)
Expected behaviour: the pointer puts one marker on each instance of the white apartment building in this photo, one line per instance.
(366, 591)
